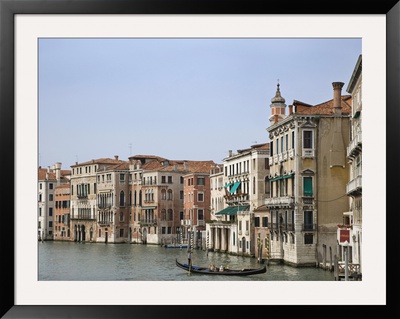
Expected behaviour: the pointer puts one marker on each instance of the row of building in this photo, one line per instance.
(295, 199)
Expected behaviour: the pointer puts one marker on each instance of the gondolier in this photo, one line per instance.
(189, 257)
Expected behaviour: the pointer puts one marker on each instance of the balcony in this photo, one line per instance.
(148, 222)
(354, 187)
(308, 152)
(355, 146)
(285, 201)
(309, 227)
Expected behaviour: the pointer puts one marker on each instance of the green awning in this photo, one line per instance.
(149, 207)
(281, 177)
(234, 187)
(232, 210)
(356, 114)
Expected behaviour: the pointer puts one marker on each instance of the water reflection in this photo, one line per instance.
(66, 261)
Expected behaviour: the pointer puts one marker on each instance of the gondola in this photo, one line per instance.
(225, 272)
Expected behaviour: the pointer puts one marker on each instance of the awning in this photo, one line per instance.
(232, 210)
(234, 187)
(228, 184)
(281, 177)
(356, 114)
(149, 207)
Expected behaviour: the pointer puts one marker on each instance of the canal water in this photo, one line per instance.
(70, 261)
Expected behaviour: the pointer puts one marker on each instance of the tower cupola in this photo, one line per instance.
(278, 107)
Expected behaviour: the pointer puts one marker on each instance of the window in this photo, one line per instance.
(282, 146)
(169, 230)
(51, 186)
(307, 139)
(122, 199)
(163, 179)
(293, 140)
(169, 179)
(121, 232)
(170, 214)
(50, 211)
(308, 239)
(200, 197)
(200, 181)
(200, 214)
(170, 194)
(307, 186)
(121, 216)
(287, 142)
(308, 220)
(257, 221)
(271, 148)
(50, 197)
(265, 221)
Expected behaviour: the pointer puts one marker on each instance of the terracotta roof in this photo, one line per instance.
(119, 166)
(100, 161)
(179, 165)
(325, 108)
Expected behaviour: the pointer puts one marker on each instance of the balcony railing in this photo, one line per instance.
(309, 227)
(355, 145)
(354, 187)
(307, 152)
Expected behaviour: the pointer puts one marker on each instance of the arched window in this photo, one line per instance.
(163, 194)
(170, 194)
(266, 185)
(169, 214)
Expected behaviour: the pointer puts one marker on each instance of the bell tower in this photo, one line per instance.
(278, 107)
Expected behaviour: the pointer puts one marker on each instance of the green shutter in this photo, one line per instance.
(307, 186)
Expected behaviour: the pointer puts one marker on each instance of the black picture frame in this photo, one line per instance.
(8, 10)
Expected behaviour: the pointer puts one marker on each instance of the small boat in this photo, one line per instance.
(226, 272)
(176, 246)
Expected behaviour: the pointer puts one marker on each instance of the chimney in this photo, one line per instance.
(276, 118)
(290, 109)
(337, 97)
(116, 157)
(185, 165)
(230, 153)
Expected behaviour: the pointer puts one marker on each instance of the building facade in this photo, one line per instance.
(349, 232)
(308, 176)
(48, 180)
(61, 224)
(245, 189)
(85, 214)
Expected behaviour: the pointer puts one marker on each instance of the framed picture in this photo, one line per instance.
(23, 23)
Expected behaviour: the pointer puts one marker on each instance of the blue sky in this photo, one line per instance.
(192, 99)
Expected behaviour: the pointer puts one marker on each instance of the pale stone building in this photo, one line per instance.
(308, 176)
(113, 198)
(350, 229)
(85, 215)
(244, 182)
(48, 179)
